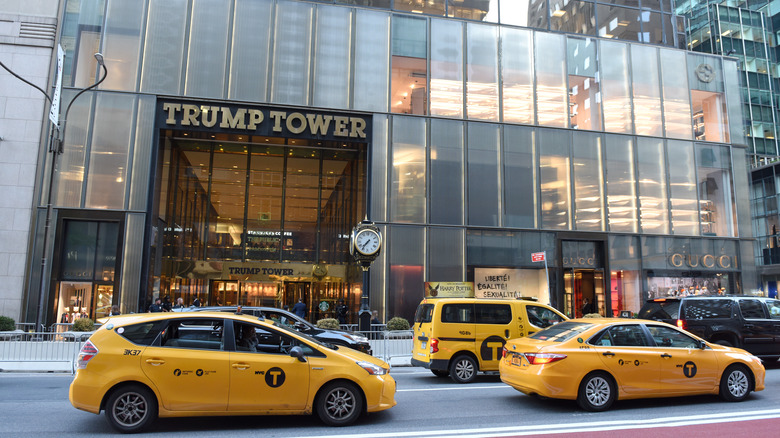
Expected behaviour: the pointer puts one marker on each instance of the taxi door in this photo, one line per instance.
(190, 367)
(267, 377)
(493, 329)
(685, 368)
(423, 332)
(625, 351)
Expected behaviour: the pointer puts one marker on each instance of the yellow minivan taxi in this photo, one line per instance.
(139, 367)
(459, 337)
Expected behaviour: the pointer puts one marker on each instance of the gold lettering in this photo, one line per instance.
(358, 125)
(190, 115)
(693, 261)
(209, 117)
(676, 260)
(231, 121)
(291, 120)
(255, 118)
(708, 261)
(278, 116)
(171, 108)
(340, 130)
(724, 261)
(319, 124)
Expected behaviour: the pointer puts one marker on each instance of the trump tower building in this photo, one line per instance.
(234, 144)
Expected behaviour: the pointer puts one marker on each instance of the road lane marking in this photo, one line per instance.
(452, 388)
(544, 429)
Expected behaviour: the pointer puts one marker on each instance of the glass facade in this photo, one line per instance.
(483, 143)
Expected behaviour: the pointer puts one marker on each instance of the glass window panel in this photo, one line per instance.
(555, 178)
(249, 53)
(445, 254)
(226, 212)
(647, 90)
(526, 13)
(482, 72)
(124, 21)
(292, 53)
(584, 92)
(164, 47)
(619, 23)
(70, 173)
(551, 93)
(142, 152)
(407, 191)
(379, 167)
(615, 87)
(682, 187)
(517, 75)
(208, 35)
(332, 57)
(653, 207)
(483, 193)
(80, 239)
(110, 151)
(478, 10)
(519, 177)
(446, 172)
(80, 39)
(588, 182)
(408, 94)
(105, 256)
(372, 54)
(264, 209)
(621, 183)
(301, 202)
(677, 105)
(652, 27)
(668, 22)
(432, 7)
(710, 121)
(572, 16)
(715, 190)
(447, 68)
(406, 247)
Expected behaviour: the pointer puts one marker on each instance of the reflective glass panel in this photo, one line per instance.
(445, 254)
(446, 172)
(122, 40)
(332, 57)
(483, 193)
(478, 10)
(301, 201)
(446, 68)
(110, 151)
(431, 7)
(647, 90)
(617, 22)
(226, 215)
(292, 53)
(249, 54)
(517, 74)
(555, 178)
(621, 183)
(588, 182)
(406, 248)
(372, 52)
(616, 87)
(716, 196)
(482, 72)
(164, 50)
(652, 27)
(264, 214)
(526, 13)
(653, 207)
(551, 93)
(584, 92)
(677, 105)
(70, 173)
(682, 187)
(208, 35)
(408, 94)
(407, 154)
(519, 177)
(572, 16)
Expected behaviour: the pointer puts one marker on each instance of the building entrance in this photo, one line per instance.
(581, 285)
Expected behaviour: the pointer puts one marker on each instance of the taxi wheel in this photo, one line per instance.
(440, 373)
(339, 404)
(131, 408)
(735, 384)
(597, 392)
(463, 369)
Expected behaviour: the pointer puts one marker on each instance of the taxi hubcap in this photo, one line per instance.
(130, 409)
(464, 370)
(340, 403)
(597, 391)
(738, 383)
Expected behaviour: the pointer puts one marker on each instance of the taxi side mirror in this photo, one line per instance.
(297, 352)
(702, 345)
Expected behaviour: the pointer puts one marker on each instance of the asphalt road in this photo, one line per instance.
(36, 405)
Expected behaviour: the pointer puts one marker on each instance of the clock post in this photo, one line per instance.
(365, 242)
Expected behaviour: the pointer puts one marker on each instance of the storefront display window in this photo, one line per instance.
(409, 88)
(716, 197)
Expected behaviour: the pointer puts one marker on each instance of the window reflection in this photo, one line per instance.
(615, 87)
(551, 79)
(677, 105)
(617, 22)
(408, 194)
(588, 182)
(653, 210)
(682, 188)
(715, 192)
(517, 57)
(410, 68)
(265, 203)
(482, 71)
(431, 7)
(710, 121)
(584, 93)
(621, 184)
(226, 217)
(647, 90)
(526, 13)
(447, 68)
(555, 178)
(479, 10)
(572, 16)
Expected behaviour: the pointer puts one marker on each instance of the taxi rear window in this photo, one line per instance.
(143, 333)
(562, 331)
(424, 313)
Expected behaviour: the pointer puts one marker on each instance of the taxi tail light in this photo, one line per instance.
(434, 345)
(543, 358)
(503, 352)
(87, 352)
(681, 324)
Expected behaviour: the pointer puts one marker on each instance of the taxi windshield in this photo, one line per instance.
(562, 331)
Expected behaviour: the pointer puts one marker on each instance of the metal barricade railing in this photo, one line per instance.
(40, 351)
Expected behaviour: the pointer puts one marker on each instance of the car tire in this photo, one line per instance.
(735, 384)
(339, 404)
(724, 343)
(597, 392)
(131, 408)
(463, 369)
(440, 373)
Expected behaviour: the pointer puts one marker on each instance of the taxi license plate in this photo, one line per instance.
(517, 360)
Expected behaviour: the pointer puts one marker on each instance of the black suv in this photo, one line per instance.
(341, 338)
(750, 323)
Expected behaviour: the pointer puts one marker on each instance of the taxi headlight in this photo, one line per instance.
(356, 338)
(374, 370)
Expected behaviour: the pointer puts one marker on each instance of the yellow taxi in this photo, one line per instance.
(599, 360)
(138, 367)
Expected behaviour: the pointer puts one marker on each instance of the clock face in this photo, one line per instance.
(367, 242)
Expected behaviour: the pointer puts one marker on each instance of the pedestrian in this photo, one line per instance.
(179, 303)
(299, 309)
(156, 306)
(342, 312)
(375, 318)
(166, 304)
(196, 302)
(587, 306)
(115, 310)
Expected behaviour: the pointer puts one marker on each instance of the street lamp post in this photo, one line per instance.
(56, 141)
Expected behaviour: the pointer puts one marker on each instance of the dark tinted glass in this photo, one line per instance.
(494, 314)
(627, 336)
(707, 309)
(542, 316)
(143, 333)
(561, 332)
(458, 313)
(424, 313)
(751, 309)
(660, 310)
